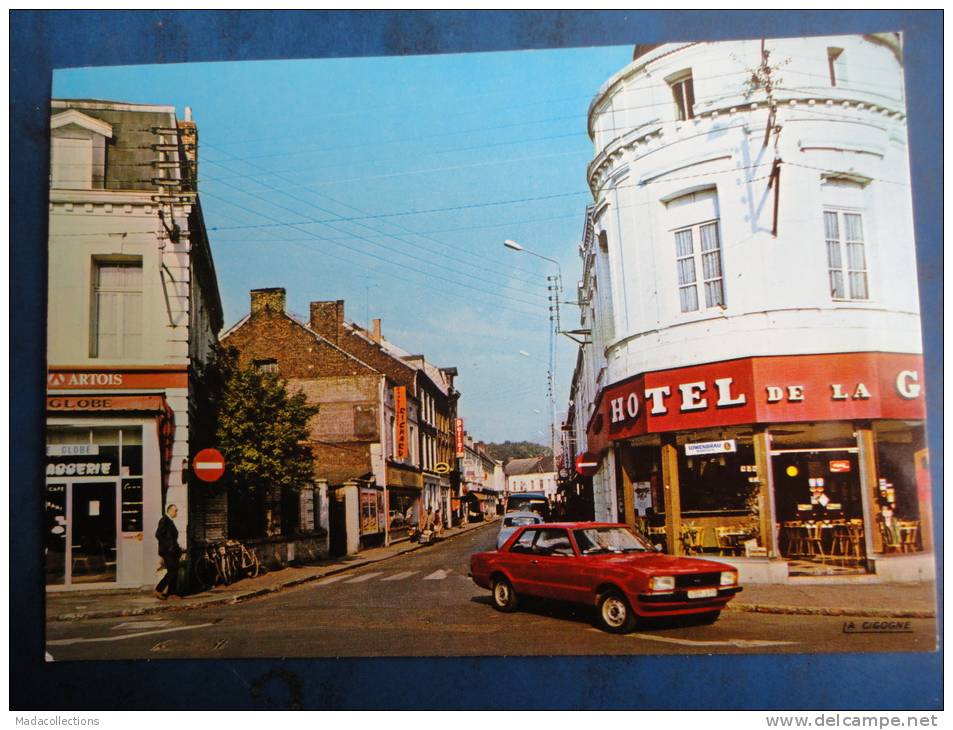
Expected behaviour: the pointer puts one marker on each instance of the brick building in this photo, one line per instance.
(370, 432)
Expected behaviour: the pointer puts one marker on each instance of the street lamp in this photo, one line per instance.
(555, 287)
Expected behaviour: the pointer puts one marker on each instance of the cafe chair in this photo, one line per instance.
(840, 545)
(724, 537)
(796, 539)
(693, 538)
(909, 531)
(891, 538)
(815, 542)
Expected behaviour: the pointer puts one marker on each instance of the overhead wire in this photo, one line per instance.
(482, 267)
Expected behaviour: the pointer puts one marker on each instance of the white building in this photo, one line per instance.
(750, 286)
(133, 305)
(535, 474)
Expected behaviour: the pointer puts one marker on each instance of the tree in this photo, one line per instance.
(261, 431)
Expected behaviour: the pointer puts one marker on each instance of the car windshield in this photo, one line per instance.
(595, 540)
(519, 521)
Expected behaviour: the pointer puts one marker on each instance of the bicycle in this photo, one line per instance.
(243, 561)
(223, 563)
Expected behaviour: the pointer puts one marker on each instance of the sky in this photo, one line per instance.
(391, 183)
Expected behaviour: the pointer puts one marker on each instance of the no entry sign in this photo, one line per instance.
(209, 465)
(587, 464)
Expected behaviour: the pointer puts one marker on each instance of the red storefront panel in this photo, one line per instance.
(761, 390)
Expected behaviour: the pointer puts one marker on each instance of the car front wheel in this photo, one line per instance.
(504, 597)
(615, 614)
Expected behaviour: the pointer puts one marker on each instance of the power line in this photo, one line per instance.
(430, 279)
(324, 210)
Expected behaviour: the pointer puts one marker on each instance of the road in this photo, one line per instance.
(423, 604)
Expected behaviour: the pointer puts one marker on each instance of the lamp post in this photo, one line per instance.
(555, 287)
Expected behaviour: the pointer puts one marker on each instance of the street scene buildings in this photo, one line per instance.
(753, 382)
(747, 380)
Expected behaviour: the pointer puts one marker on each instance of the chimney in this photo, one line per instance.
(270, 299)
(189, 139)
(327, 319)
(376, 330)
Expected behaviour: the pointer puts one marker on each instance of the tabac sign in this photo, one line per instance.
(401, 446)
(763, 390)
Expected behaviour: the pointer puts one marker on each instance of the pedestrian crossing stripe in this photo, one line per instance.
(400, 576)
(437, 575)
(362, 578)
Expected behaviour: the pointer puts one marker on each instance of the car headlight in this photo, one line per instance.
(662, 583)
(729, 578)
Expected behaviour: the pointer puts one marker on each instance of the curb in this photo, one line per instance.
(830, 611)
(184, 605)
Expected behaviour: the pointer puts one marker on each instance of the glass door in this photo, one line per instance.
(92, 532)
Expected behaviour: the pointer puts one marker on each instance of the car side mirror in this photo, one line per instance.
(657, 547)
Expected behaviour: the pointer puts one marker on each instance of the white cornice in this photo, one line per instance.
(73, 116)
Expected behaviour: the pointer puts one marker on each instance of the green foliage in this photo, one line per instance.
(260, 429)
(516, 450)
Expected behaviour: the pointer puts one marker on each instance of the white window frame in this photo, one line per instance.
(123, 350)
(683, 94)
(697, 257)
(841, 267)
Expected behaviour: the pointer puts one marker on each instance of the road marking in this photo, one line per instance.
(438, 575)
(135, 625)
(400, 576)
(737, 643)
(331, 579)
(68, 642)
(49, 657)
(362, 578)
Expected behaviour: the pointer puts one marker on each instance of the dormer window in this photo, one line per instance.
(683, 91)
(78, 151)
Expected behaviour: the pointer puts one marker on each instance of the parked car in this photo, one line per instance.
(513, 521)
(529, 502)
(607, 566)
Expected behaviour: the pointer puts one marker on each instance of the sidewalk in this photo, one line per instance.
(875, 600)
(79, 605)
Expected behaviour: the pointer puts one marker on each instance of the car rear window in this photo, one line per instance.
(520, 521)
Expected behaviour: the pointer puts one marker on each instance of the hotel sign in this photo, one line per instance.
(150, 403)
(401, 445)
(461, 441)
(762, 390)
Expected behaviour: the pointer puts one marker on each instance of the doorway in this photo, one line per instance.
(81, 523)
(819, 509)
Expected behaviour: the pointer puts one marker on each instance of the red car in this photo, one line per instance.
(603, 565)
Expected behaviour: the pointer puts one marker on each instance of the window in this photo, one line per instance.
(117, 309)
(846, 259)
(836, 65)
(266, 366)
(524, 543)
(699, 248)
(553, 542)
(683, 92)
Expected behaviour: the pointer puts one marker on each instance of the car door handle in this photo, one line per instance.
(535, 562)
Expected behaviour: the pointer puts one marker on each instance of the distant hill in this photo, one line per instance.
(516, 450)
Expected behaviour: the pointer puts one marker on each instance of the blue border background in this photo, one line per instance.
(42, 41)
